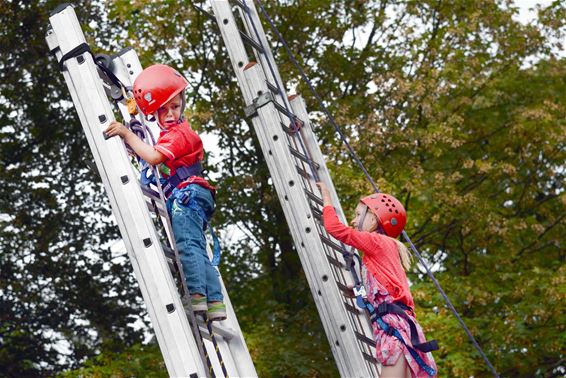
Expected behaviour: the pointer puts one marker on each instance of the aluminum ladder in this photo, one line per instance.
(295, 162)
(186, 342)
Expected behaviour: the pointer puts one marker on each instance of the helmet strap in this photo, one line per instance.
(362, 218)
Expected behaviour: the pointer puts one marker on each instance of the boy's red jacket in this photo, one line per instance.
(182, 147)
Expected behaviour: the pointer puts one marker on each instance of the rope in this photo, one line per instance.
(370, 180)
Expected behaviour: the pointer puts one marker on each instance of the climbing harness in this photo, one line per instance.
(370, 180)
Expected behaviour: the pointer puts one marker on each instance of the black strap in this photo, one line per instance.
(81, 49)
(399, 308)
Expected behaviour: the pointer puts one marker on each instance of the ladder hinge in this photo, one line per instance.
(258, 102)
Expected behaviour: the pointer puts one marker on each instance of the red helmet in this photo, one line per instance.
(390, 213)
(157, 85)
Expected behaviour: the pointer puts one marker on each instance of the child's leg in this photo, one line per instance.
(191, 244)
(213, 288)
(399, 369)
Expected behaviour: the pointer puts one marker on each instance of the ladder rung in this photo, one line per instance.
(370, 358)
(364, 338)
(313, 197)
(347, 291)
(333, 245)
(303, 157)
(247, 39)
(172, 266)
(242, 5)
(272, 87)
(335, 262)
(304, 173)
(352, 309)
(317, 213)
(205, 12)
(224, 332)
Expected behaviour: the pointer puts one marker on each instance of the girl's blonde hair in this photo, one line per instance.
(404, 254)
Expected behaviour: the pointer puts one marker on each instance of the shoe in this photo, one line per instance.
(197, 304)
(216, 311)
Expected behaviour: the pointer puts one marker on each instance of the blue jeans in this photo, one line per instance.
(188, 229)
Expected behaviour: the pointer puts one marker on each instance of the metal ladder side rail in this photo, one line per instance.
(158, 290)
(225, 20)
(254, 27)
(290, 192)
(264, 55)
(230, 349)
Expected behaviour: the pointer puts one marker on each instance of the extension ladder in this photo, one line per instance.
(191, 346)
(295, 162)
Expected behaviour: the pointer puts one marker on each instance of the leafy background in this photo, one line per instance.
(455, 107)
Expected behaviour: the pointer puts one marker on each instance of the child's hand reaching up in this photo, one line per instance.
(325, 193)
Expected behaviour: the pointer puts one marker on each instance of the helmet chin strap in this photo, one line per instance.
(378, 229)
(362, 218)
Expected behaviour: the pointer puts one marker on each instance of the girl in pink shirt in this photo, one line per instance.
(379, 220)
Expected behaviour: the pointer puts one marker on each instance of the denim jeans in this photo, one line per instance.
(188, 229)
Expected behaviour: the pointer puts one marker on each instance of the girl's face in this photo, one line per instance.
(168, 115)
(370, 222)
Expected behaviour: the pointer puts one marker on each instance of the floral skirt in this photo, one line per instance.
(389, 348)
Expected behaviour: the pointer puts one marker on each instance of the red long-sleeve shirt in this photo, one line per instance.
(380, 255)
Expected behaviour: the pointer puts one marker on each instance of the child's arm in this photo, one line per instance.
(143, 150)
(335, 228)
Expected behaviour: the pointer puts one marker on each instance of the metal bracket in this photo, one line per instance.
(261, 100)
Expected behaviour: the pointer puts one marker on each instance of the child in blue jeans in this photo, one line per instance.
(158, 91)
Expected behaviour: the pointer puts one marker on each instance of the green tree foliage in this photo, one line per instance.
(62, 300)
(454, 107)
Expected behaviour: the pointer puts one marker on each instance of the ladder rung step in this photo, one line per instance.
(352, 309)
(205, 12)
(365, 339)
(347, 291)
(168, 251)
(241, 5)
(224, 332)
(304, 173)
(283, 109)
(313, 197)
(317, 214)
(333, 245)
(303, 157)
(247, 39)
(335, 262)
(370, 358)
(272, 87)
(172, 266)
(286, 129)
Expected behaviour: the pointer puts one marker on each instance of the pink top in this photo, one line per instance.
(380, 255)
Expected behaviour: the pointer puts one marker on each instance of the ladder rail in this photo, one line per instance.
(232, 349)
(95, 113)
(179, 346)
(328, 298)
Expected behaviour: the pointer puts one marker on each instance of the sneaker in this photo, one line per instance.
(197, 304)
(216, 311)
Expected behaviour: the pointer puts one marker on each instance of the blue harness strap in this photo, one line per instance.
(186, 200)
(181, 174)
(391, 308)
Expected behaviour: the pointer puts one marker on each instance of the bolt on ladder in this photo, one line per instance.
(295, 162)
(190, 348)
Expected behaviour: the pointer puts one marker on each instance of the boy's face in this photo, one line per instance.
(168, 115)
